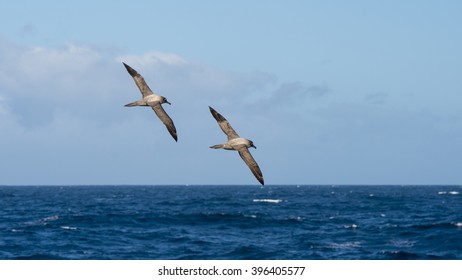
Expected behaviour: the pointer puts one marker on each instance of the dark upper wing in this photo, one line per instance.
(251, 163)
(160, 112)
(224, 124)
(139, 81)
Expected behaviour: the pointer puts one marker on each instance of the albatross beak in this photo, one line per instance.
(168, 103)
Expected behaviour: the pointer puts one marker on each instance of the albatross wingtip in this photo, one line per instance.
(261, 180)
(130, 70)
(216, 115)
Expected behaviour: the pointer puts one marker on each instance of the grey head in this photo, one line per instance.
(164, 100)
(251, 144)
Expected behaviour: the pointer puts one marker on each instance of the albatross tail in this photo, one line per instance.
(136, 103)
(218, 146)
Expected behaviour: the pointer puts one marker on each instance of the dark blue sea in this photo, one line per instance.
(230, 222)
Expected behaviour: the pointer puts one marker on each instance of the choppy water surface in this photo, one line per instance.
(231, 222)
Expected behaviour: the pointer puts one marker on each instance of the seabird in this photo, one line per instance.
(152, 100)
(237, 143)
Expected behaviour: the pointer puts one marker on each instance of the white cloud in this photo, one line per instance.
(71, 59)
(153, 57)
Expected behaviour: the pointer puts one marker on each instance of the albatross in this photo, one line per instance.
(237, 143)
(152, 100)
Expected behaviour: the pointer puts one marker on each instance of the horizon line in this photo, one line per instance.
(227, 185)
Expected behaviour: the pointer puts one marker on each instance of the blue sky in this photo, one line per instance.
(331, 92)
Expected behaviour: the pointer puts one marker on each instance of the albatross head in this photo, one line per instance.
(251, 144)
(164, 100)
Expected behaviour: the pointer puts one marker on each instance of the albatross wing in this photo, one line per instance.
(251, 163)
(160, 112)
(224, 124)
(139, 81)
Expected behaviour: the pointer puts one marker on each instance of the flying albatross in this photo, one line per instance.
(237, 143)
(152, 100)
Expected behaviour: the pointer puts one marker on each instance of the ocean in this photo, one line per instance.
(231, 222)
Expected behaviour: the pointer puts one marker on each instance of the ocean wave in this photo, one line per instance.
(352, 226)
(402, 243)
(268, 200)
(68, 227)
(401, 255)
(41, 222)
(251, 216)
(51, 218)
(428, 226)
(40, 257)
(249, 252)
(448, 192)
(344, 245)
(405, 255)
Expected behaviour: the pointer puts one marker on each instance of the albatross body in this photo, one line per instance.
(152, 100)
(237, 143)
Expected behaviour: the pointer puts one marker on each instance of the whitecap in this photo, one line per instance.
(450, 192)
(68, 227)
(459, 224)
(402, 243)
(268, 200)
(345, 245)
(51, 218)
(351, 226)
